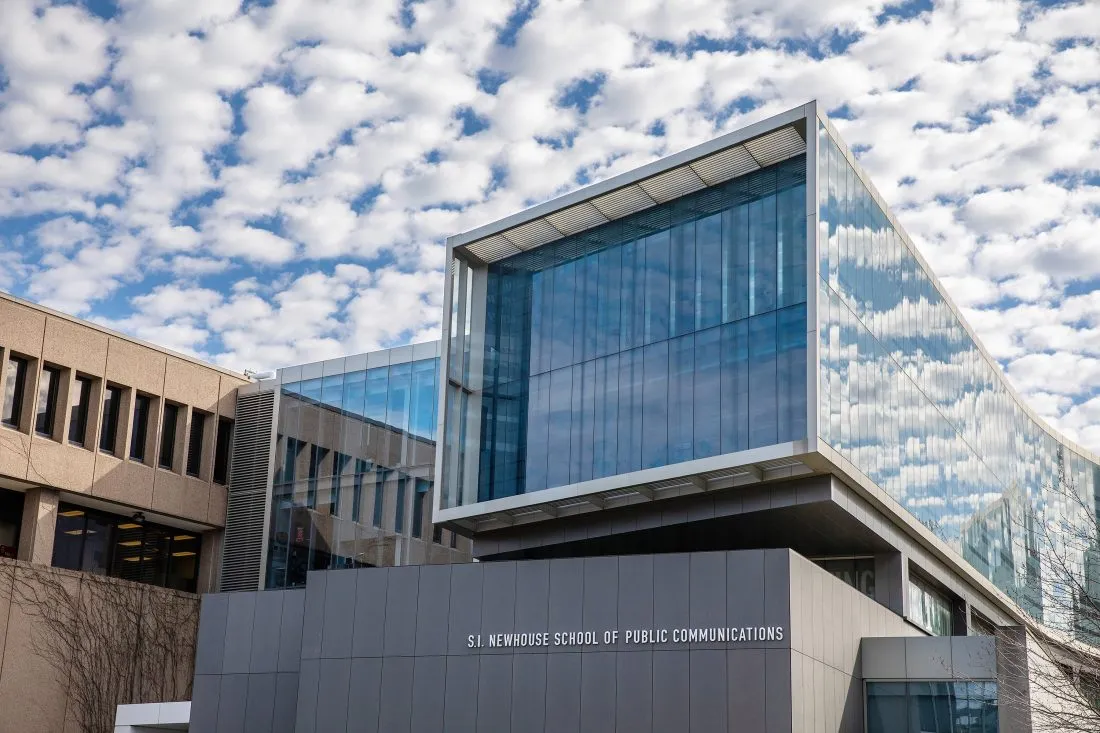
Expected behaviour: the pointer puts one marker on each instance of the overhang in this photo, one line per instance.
(745, 150)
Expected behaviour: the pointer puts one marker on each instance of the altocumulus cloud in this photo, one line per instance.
(269, 182)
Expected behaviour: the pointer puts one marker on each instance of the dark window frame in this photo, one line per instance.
(78, 413)
(112, 411)
(21, 365)
(196, 435)
(166, 457)
(139, 431)
(223, 450)
(45, 416)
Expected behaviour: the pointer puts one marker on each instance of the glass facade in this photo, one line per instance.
(355, 457)
(932, 707)
(909, 399)
(670, 335)
(122, 547)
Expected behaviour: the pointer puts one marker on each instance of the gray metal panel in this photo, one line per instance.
(460, 704)
(238, 632)
(465, 611)
(332, 694)
(974, 657)
(313, 624)
(671, 589)
(634, 691)
(308, 677)
(205, 694)
(598, 673)
(286, 702)
(339, 614)
(777, 690)
(601, 603)
(498, 610)
(290, 630)
(260, 707)
(928, 658)
(883, 658)
(707, 593)
(529, 691)
(231, 701)
(635, 592)
(533, 597)
(370, 612)
(395, 713)
(432, 610)
(210, 646)
(708, 691)
(566, 595)
(671, 690)
(429, 689)
(494, 704)
(266, 633)
(563, 691)
(364, 691)
(400, 633)
(745, 693)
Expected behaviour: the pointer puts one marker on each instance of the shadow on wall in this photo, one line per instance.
(73, 646)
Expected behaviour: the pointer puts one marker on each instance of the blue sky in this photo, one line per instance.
(271, 182)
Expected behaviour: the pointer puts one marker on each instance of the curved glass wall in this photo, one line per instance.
(907, 397)
(673, 334)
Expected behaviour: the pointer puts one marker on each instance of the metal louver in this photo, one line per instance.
(248, 493)
(735, 160)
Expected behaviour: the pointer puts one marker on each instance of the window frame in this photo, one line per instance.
(21, 365)
(108, 426)
(81, 390)
(45, 415)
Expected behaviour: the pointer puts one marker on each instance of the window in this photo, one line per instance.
(15, 379)
(79, 401)
(48, 384)
(126, 547)
(139, 433)
(194, 443)
(929, 608)
(168, 436)
(420, 498)
(399, 512)
(221, 450)
(932, 707)
(857, 572)
(437, 534)
(108, 434)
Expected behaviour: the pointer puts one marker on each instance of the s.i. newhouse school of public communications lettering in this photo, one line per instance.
(725, 457)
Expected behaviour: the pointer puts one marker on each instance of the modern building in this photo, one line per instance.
(335, 468)
(114, 461)
(729, 459)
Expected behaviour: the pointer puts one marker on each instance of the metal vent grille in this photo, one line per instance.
(248, 492)
(709, 170)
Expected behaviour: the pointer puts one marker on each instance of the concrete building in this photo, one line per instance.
(729, 458)
(114, 461)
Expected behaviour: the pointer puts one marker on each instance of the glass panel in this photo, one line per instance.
(79, 402)
(48, 383)
(14, 380)
(644, 290)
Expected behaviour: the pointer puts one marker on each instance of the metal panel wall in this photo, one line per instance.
(388, 649)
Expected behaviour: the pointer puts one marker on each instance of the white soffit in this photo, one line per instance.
(736, 160)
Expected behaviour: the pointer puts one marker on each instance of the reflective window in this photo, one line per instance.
(195, 442)
(139, 432)
(911, 400)
(929, 608)
(49, 382)
(79, 404)
(857, 572)
(222, 445)
(108, 431)
(674, 334)
(15, 377)
(932, 707)
(355, 461)
(168, 436)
